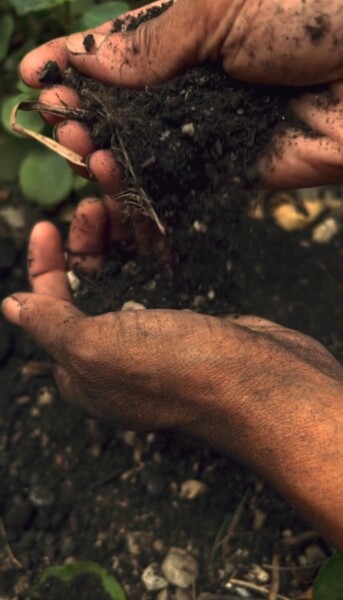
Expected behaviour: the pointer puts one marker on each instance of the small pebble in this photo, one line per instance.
(41, 496)
(258, 574)
(73, 280)
(45, 396)
(325, 231)
(192, 488)
(132, 305)
(180, 568)
(152, 578)
(188, 129)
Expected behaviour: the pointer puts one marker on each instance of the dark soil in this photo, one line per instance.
(74, 489)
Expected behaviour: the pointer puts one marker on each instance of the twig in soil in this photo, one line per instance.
(140, 197)
(314, 565)
(275, 578)
(225, 543)
(256, 588)
(8, 548)
(306, 536)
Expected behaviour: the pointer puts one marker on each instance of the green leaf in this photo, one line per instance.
(29, 120)
(79, 183)
(24, 7)
(6, 30)
(102, 13)
(68, 572)
(45, 178)
(329, 583)
(25, 89)
(12, 153)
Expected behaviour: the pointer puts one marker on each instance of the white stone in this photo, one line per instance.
(152, 579)
(188, 129)
(325, 231)
(180, 568)
(73, 280)
(192, 488)
(132, 305)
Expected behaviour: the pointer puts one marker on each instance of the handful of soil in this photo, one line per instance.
(188, 150)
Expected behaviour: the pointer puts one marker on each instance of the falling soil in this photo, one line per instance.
(74, 489)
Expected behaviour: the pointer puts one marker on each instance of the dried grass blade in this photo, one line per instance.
(69, 155)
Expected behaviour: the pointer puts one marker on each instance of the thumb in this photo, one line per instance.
(50, 321)
(157, 50)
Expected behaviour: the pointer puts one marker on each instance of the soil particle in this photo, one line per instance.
(130, 23)
(89, 42)
(50, 73)
(317, 30)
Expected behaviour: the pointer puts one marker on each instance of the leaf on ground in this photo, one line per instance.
(329, 583)
(101, 13)
(6, 30)
(12, 153)
(68, 572)
(45, 178)
(24, 7)
(26, 119)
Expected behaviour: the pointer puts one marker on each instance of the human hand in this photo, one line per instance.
(267, 395)
(296, 43)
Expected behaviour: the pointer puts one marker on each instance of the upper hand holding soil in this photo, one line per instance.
(293, 43)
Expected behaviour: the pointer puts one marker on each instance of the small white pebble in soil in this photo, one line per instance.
(73, 280)
(165, 135)
(258, 575)
(152, 579)
(45, 396)
(180, 568)
(199, 227)
(192, 489)
(34, 368)
(325, 231)
(239, 591)
(188, 129)
(132, 305)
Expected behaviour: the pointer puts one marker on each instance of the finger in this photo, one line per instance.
(147, 54)
(88, 235)
(298, 161)
(76, 136)
(49, 320)
(251, 321)
(58, 95)
(322, 114)
(46, 262)
(104, 167)
(119, 228)
(33, 66)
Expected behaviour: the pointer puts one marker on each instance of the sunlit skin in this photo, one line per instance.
(269, 396)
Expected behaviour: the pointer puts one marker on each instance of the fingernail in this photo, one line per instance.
(78, 43)
(10, 308)
(87, 161)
